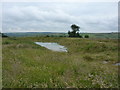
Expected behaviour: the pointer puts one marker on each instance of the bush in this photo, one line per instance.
(86, 36)
(47, 36)
(60, 36)
(80, 36)
(3, 35)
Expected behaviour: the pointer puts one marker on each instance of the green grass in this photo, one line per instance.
(27, 65)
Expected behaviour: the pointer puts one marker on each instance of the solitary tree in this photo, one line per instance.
(75, 28)
(75, 31)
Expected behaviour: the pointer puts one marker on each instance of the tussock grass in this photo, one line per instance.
(27, 65)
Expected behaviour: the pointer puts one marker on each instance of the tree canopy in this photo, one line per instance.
(75, 31)
(75, 27)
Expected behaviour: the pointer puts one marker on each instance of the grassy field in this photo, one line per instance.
(27, 65)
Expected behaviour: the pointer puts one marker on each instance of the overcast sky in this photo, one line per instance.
(59, 16)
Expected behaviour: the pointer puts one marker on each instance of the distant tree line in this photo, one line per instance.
(3, 35)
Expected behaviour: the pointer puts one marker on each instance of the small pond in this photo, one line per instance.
(117, 64)
(52, 46)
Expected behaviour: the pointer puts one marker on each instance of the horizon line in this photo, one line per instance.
(58, 32)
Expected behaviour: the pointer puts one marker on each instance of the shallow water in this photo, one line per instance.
(52, 46)
(117, 64)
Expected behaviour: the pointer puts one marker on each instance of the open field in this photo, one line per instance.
(27, 65)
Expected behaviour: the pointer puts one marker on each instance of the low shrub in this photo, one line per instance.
(86, 36)
(6, 42)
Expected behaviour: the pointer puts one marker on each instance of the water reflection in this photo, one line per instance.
(52, 46)
(117, 64)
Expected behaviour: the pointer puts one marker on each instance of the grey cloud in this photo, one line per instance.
(36, 18)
